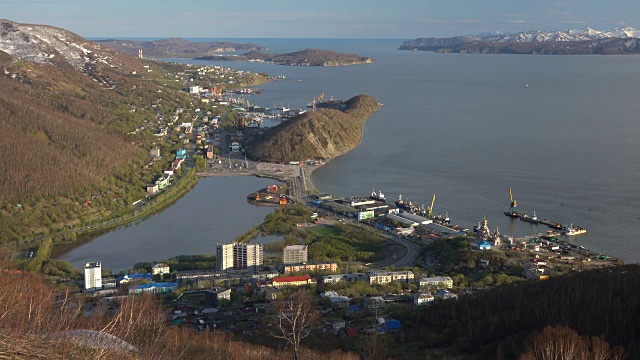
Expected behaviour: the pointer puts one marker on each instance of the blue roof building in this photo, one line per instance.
(484, 245)
(153, 288)
(127, 278)
(390, 325)
(181, 154)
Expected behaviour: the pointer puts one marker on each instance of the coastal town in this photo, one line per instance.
(165, 210)
(354, 297)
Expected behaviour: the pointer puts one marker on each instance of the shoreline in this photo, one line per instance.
(335, 157)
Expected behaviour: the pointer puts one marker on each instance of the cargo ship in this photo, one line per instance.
(407, 206)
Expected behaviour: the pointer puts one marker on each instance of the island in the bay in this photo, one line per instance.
(331, 130)
(307, 57)
(585, 41)
(176, 47)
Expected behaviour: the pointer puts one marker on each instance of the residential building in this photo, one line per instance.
(152, 189)
(224, 256)
(375, 302)
(239, 256)
(337, 301)
(163, 181)
(535, 270)
(322, 266)
(383, 277)
(293, 281)
(247, 256)
(294, 254)
(226, 275)
(154, 153)
(268, 292)
(333, 279)
(436, 282)
(153, 288)
(420, 299)
(93, 276)
(160, 269)
(109, 283)
(181, 154)
(446, 295)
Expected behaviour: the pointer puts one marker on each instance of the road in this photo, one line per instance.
(301, 186)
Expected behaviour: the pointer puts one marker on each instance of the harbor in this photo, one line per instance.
(568, 230)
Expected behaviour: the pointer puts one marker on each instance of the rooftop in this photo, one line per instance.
(296, 247)
(292, 278)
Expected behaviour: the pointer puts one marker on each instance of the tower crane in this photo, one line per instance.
(514, 204)
(430, 208)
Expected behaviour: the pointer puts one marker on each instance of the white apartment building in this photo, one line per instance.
(92, 276)
(295, 254)
(238, 256)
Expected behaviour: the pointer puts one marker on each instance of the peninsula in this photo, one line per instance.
(571, 42)
(307, 57)
(176, 47)
(332, 130)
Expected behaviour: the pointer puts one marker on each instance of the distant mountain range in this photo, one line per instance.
(570, 42)
(177, 47)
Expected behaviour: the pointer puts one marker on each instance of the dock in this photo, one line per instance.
(534, 220)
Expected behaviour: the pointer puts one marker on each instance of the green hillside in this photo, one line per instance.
(321, 134)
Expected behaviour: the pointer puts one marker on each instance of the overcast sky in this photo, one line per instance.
(402, 19)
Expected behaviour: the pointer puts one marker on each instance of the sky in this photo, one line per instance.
(399, 19)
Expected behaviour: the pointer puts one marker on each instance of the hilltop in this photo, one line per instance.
(177, 47)
(321, 134)
(51, 45)
(571, 42)
(307, 57)
(69, 111)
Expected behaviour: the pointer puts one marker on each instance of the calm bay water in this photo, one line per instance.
(463, 127)
(467, 127)
(214, 211)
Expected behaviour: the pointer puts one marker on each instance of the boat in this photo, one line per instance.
(512, 214)
(377, 196)
(532, 219)
(573, 230)
(407, 206)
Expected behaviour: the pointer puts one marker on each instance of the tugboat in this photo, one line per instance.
(571, 230)
(532, 219)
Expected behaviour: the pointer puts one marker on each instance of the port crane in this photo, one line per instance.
(514, 204)
(430, 208)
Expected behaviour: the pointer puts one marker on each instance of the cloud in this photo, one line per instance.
(574, 22)
(448, 21)
(558, 12)
(517, 22)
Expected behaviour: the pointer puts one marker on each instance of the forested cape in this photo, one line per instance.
(321, 134)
